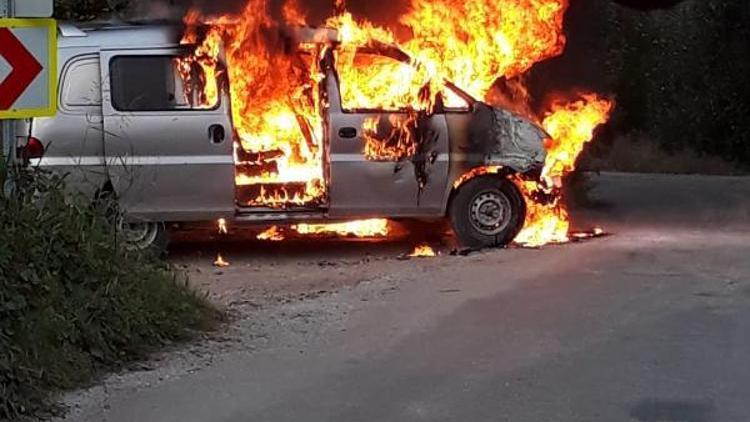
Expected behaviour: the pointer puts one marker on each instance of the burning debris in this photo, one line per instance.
(595, 232)
(220, 262)
(423, 251)
(222, 226)
(277, 66)
(273, 234)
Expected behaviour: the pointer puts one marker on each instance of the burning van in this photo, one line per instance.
(145, 118)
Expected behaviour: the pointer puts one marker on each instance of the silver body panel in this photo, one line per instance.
(73, 139)
(164, 167)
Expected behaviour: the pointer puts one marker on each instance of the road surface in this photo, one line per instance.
(649, 324)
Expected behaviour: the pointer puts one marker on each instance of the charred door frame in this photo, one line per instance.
(402, 197)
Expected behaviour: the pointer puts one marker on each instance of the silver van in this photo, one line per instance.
(124, 128)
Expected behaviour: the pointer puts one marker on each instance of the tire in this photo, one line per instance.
(487, 211)
(150, 237)
(146, 236)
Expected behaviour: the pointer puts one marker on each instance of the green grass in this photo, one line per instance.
(73, 300)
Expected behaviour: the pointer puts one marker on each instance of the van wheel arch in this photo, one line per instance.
(152, 237)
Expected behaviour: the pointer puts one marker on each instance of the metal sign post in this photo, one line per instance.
(7, 129)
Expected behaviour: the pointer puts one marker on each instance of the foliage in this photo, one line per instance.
(73, 300)
(679, 75)
(81, 10)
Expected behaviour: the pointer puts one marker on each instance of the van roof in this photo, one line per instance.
(115, 35)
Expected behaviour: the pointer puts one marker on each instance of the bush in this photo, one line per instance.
(73, 300)
(679, 75)
(639, 154)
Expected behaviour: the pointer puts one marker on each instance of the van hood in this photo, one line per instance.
(507, 139)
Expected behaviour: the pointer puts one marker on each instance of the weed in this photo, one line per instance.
(73, 299)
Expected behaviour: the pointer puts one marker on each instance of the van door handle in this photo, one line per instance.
(347, 133)
(217, 134)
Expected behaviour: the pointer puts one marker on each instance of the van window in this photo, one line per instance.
(81, 85)
(148, 83)
(389, 84)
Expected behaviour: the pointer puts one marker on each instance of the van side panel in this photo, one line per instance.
(73, 139)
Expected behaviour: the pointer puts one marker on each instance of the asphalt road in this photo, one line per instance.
(649, 324)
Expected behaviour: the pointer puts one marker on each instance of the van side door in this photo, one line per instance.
(372, 172)
(168, 159)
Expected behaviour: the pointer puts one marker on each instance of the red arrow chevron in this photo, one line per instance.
(24, 68)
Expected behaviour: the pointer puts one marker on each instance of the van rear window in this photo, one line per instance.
(81, 86)
(148, 83)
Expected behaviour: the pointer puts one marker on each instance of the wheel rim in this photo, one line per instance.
(490, 212)
(139, 236)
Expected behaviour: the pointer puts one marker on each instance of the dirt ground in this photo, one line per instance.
(265, 271)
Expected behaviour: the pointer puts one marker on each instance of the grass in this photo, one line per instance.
(73, 300)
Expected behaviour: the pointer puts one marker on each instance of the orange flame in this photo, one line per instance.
(473, 42)
(394, 146)
(222, 226)
(279, 154)
(272, 233)
(363, 229)
(220, 262)
(571, 126)
(423, 251)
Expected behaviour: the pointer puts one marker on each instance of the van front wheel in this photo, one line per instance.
(487, 212)
(144, 236)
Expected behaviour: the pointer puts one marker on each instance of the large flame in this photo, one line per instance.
(279, 153)
(277, 111)
(474, 42)
(571, 126)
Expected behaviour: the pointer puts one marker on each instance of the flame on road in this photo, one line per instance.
(423, 251)
(220, 262)
(364, 228)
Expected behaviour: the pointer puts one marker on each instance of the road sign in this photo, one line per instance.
(28, 68)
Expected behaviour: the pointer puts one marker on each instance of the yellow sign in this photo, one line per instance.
(28, 68)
